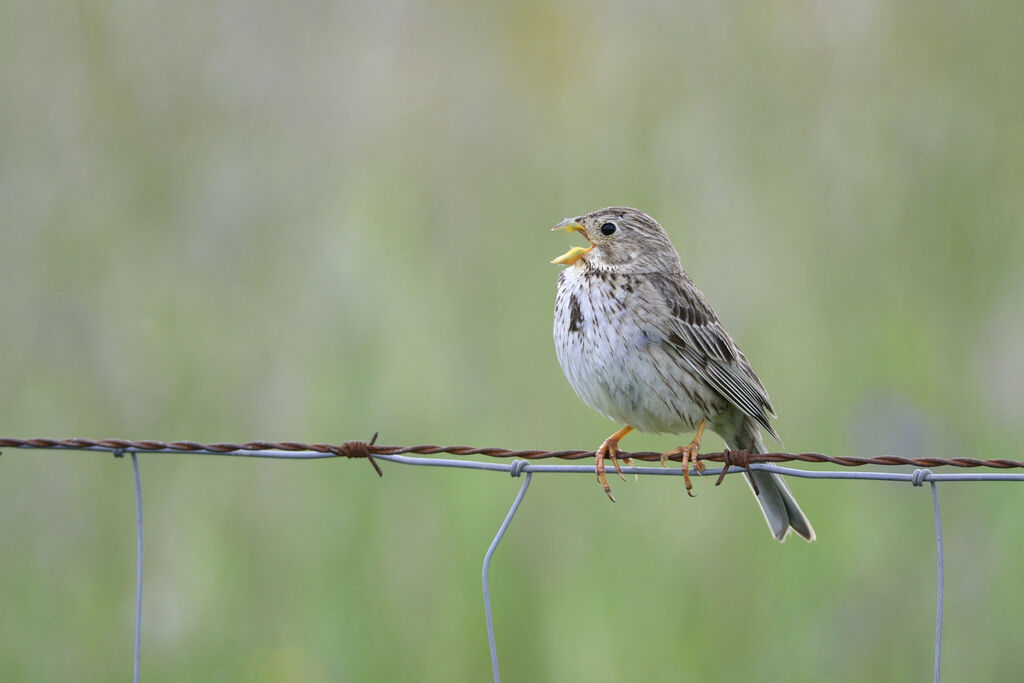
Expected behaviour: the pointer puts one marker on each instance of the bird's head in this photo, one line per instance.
(621, 239)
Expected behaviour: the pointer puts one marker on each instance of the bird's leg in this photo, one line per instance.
(689, 453)
(610, 449)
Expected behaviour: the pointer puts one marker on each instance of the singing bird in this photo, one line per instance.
(641, 345)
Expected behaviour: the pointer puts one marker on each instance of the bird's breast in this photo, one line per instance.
(612, 352)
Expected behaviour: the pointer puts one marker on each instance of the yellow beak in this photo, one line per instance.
(573, 255)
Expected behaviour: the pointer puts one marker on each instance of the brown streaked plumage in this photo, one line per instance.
(641, 345)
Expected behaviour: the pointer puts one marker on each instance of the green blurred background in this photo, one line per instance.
(239, 221)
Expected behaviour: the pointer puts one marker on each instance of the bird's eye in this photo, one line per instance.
(608, 229)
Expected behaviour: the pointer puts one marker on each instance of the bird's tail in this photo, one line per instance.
(780, 508)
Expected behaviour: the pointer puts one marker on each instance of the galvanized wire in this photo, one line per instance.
(138, 570)
(487, 572)
(938, 607)
(738, 462)
(137, 658)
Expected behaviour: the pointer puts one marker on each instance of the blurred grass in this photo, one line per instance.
(233, 222)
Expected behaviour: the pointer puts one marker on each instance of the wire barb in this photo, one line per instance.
(738, 458)
(360, 449)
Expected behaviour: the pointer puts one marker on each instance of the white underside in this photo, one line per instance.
(621, 368)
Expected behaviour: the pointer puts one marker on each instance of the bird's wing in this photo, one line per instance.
(692, 329)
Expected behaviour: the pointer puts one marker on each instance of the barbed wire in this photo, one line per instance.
(522, 463)
(368, 449)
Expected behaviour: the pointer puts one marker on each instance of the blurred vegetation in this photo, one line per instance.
(227, 221)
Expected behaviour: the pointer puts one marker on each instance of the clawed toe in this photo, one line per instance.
(689, 461)
(602, 479)
(689, 453)
(630, 463)
(610, 449)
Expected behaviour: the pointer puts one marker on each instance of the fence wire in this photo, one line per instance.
(732, 462)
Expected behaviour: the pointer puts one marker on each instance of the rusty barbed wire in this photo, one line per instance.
(368, 449)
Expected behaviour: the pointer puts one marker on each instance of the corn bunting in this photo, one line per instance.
(640, 345)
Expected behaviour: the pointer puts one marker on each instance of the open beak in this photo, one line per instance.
(573, 255)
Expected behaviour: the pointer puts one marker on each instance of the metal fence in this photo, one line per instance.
(522, 464)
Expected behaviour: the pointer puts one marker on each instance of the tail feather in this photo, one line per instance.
(780, 508)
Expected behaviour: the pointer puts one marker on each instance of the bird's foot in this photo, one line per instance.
(610, 449)
(689, 453)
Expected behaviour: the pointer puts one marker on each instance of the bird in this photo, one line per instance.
(640, 344)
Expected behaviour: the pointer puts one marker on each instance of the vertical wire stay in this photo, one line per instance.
(516, 469)
(918, 478)
(138, 569)
(938, 601)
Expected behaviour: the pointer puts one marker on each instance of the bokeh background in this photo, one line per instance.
(238, 221)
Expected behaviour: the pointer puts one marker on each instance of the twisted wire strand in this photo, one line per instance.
(364, 449)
